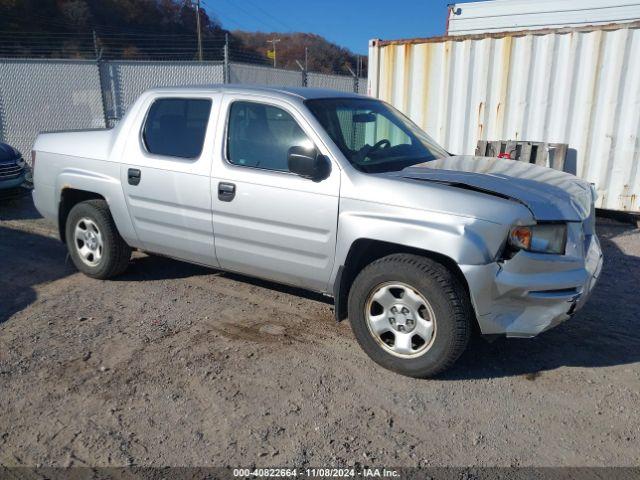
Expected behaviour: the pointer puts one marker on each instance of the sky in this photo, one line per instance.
(348, 23)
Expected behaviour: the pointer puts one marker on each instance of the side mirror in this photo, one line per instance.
(308, 163)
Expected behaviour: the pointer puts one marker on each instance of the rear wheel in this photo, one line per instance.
(410, 314)
(95, 246)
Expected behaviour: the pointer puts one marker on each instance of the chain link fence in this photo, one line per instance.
(334, 82)
(46, 95)
(124, 81)
(259, 75)
(363, 86)
(42, 95)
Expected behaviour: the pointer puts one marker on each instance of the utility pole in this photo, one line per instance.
(198, 28)
(306, 59)
(273, 42)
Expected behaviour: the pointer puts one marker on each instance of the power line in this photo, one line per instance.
(287, 26)
(217, 12)
(247, 12)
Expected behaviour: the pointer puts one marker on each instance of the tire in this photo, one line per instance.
(430, 335)
(111, 254)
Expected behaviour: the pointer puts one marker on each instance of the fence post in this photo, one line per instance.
(101, 80)
(355, 79)
(225, 72)
(303, 73)
(112, 91)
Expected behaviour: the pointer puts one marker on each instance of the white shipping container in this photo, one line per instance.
(579, 86)
(504, 15)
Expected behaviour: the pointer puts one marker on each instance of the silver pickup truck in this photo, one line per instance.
(332, 192)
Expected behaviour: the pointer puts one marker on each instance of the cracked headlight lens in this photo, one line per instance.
(541, 238)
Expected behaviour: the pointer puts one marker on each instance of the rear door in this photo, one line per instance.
(269, 222)
(165, 175)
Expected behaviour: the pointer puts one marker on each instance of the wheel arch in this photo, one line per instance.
(73, 187)
(70, 197)
(363, 251)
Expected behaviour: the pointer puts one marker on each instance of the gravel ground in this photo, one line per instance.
(174, 364)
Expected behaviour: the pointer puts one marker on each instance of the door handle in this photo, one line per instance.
(226, 191)
(133, 176)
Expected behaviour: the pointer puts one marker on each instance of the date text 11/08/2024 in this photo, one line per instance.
(316, 472)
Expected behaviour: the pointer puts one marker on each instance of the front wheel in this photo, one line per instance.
(95, 246)
(410, 314)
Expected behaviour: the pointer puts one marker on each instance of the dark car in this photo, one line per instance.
(13, 170)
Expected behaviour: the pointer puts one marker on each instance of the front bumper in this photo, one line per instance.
(531, 293)
(12, 174)
(11, 184)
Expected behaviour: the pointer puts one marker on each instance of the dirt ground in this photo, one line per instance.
(174, 364)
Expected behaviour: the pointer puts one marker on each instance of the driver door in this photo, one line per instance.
(269, 222)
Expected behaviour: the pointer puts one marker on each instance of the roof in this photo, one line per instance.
(516, 33)
(303, 93)
(504, 15)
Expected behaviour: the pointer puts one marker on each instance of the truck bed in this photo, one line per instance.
(90, 144)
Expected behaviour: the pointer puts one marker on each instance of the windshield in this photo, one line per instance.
(374, 136)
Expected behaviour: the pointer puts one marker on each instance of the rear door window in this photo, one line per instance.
(176, 127)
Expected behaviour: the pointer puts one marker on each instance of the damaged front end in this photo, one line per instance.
(525, 293)
(546, 269)
(549, 261)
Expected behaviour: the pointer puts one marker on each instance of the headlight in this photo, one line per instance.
(21, 163)
(542, 238)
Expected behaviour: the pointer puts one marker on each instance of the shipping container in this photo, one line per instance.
(579, 86)
(504, 15)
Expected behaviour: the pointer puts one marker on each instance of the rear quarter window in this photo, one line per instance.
(176, 127)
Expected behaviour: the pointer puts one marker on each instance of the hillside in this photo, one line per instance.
(323, 56)
(148, 30)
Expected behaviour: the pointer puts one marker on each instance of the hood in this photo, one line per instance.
(549, 194)
(8, 153)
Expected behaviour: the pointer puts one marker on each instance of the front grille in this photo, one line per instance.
(9, 171)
